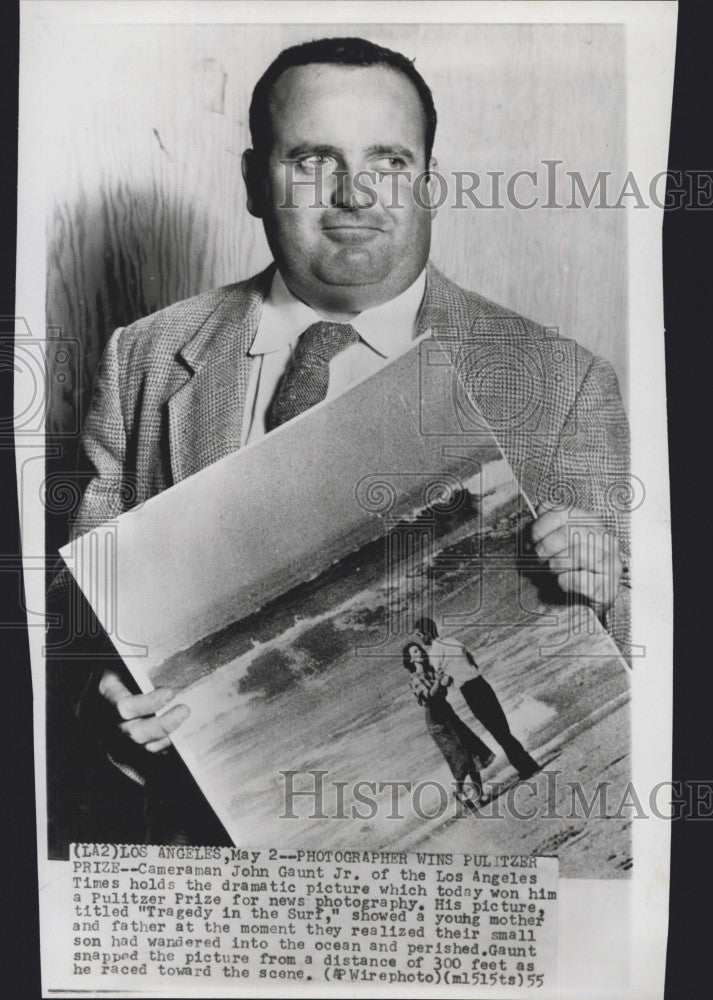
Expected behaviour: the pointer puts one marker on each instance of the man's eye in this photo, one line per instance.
(385, 163)
(315, 162)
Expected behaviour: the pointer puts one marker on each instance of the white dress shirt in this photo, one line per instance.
(449, 656)
(386, 331)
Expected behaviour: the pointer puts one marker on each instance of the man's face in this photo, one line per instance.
(331, 125)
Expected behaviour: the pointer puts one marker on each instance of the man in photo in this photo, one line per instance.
(450, 657)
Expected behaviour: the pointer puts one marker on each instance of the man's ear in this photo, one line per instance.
(431, 184)
(254, 178)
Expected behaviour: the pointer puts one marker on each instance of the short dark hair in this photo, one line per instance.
(427, 626)
(339, 52)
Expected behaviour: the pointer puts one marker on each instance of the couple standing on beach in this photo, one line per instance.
(435, 664)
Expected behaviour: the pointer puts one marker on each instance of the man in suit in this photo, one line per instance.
(350, 289)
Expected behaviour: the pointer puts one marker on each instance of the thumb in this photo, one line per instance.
(111, 687)
(545, 506)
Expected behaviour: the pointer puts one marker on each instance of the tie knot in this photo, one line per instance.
(323, 341)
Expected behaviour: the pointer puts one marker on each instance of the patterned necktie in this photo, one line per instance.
(306, 378)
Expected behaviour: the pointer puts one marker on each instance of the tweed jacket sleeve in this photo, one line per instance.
(104, 447)
(84, 657)
(104, 450)
(554, 407)
(590, 466)
(590, 472)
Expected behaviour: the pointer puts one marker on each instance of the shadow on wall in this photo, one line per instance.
(110, 261)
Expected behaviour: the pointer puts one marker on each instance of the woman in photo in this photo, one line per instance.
(465, 753)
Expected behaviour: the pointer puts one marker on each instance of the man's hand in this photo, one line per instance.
(135, 714)
(581, 552)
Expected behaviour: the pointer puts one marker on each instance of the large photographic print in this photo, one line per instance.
(296, 648)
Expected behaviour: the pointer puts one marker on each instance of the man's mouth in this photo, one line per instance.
(351, 233)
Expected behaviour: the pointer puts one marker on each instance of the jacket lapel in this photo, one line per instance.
(205, 414)
(499, 362)
(460, 327)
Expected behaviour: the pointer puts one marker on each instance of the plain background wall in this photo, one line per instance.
(146, 205)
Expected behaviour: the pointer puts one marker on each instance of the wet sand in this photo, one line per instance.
(314, 683)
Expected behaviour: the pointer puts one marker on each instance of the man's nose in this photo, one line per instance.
(348, 190)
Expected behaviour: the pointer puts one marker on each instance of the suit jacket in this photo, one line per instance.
(170, 390)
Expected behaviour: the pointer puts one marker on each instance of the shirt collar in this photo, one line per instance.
(389, 329)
